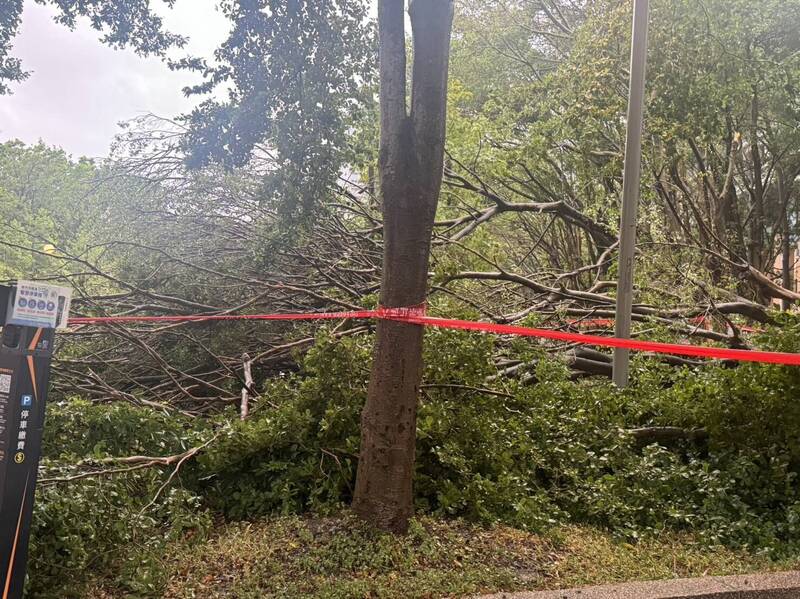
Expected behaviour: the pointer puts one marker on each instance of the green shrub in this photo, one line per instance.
(80, 429)
(533, 456)
(100, 524)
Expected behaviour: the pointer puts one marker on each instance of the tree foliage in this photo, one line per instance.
(295, 71)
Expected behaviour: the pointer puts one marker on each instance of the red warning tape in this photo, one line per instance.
(416, 315)
(82, 320)
(742, 355)
(609, 323)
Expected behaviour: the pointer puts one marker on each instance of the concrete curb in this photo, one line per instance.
(781, 585)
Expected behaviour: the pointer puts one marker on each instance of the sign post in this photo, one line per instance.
(29, 315)
(630, 188)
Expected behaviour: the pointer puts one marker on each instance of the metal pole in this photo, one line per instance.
(630, 187)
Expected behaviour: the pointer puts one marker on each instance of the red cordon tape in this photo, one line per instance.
(81, 320)
(609, 322)
(416, 315)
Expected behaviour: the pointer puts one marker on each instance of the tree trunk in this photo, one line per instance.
(787, 267)
(410, 171)
(757, 249)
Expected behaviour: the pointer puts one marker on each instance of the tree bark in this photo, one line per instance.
(410, 170)
(786, 261)
(757, 249)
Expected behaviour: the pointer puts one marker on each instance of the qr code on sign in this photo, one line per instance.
(5, 383)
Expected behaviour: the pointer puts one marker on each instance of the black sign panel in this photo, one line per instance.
(25, 354)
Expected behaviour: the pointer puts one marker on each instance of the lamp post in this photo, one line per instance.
(630, 188)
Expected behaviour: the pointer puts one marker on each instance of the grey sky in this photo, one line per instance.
(79, 89)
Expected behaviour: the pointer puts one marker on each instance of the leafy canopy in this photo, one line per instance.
(294, 72)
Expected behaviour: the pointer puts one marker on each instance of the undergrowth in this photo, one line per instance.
(538, 457)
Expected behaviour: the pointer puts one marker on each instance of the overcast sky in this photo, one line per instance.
(79, 89)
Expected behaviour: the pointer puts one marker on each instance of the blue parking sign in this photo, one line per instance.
(27, 400)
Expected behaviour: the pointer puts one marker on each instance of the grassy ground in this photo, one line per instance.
(340, 557)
